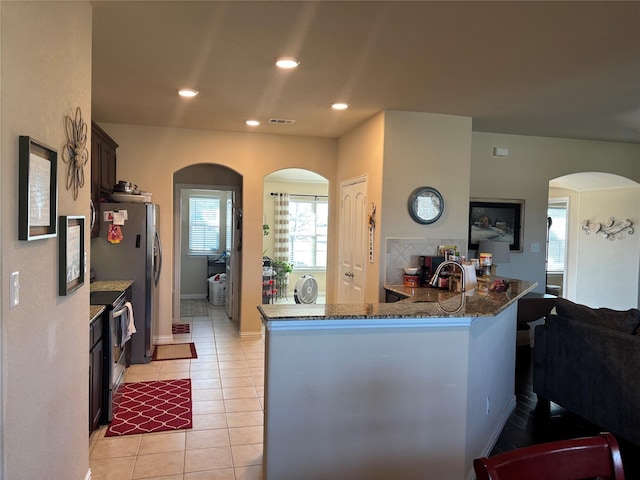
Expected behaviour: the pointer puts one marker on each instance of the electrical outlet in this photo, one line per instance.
(535, 248)
(14, 289)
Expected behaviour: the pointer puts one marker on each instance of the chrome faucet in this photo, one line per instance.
(434, 280)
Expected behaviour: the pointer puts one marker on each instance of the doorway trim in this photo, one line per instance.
(564, 200)
(177, 236)
(361, 182)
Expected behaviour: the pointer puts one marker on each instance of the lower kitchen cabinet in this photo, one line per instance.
(392, 297)
(96, 372)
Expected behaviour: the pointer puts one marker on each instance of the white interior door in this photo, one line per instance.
(353, 240)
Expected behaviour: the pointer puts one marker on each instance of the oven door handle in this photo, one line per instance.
(119, 313)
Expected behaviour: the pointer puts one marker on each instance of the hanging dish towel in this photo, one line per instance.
(128, 325)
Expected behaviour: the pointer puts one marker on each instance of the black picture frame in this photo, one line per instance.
(38, 190)
(497, 220)
(71, 261)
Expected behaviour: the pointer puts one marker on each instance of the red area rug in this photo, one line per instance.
(180, 328)
(148, 407)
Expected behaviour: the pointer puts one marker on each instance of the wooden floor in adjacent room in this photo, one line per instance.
(527, 427)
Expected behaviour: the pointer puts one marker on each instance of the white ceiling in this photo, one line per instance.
(562, 69)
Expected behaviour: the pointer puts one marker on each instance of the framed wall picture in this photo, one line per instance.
(38, 190)
(498, 220)
(71, 254)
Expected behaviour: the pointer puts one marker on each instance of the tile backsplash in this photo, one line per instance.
(404, 252)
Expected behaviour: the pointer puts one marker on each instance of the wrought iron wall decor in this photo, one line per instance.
(610, 229)
(75, 152)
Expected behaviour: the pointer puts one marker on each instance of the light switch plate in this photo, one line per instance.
(14, 289)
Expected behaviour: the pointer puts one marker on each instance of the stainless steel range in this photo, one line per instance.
(114, 348)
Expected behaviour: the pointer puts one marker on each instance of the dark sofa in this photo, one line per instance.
(588, 361)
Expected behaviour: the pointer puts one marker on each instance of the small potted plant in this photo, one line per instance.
(283, 269)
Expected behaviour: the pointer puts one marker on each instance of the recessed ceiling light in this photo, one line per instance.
(287, 62)
(252, 123)
(187, 92)
(340, 106)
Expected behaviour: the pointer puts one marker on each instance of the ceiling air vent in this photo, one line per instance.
(281, 121)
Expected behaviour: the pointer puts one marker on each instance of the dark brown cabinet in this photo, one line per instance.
(96, 372)
(103, 169)
(392, 297)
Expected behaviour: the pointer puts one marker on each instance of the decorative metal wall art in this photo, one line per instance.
(610, 229)
(75, 152)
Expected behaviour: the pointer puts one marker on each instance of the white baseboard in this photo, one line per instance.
(193, 296)
(251, 334)
(502, 420)
(162, 339)
(88, 475)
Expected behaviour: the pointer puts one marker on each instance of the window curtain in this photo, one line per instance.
(281, 230)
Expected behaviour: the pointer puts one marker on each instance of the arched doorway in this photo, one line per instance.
(598, 271)
(306, 237)
(193, 264)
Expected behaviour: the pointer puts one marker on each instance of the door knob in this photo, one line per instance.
(349, 274)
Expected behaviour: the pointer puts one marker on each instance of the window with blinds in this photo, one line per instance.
(557, 246)
(308, 220)
(204, 225)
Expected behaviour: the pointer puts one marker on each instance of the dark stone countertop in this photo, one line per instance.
(110, 285)
(420, 302)
(105, 286)
(95, 311)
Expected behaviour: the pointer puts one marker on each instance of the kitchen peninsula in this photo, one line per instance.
(413, 389)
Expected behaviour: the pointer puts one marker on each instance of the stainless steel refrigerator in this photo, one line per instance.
(137, 257)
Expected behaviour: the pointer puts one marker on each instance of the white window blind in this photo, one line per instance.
(308, 219)
(204, 224)
(557, 237)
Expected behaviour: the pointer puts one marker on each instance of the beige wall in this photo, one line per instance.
(361, 152)
(148, 156)
(46, 74)
(423, 149)
(400, 151)
(607, 271)
(525, 174)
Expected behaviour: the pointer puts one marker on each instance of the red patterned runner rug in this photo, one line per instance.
(157, 406)
(180, 328)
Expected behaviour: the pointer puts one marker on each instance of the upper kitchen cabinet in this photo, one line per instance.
(103, 169)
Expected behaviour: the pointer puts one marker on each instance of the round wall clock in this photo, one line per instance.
(425, 205)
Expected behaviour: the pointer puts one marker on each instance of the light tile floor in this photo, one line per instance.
(225, 442)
